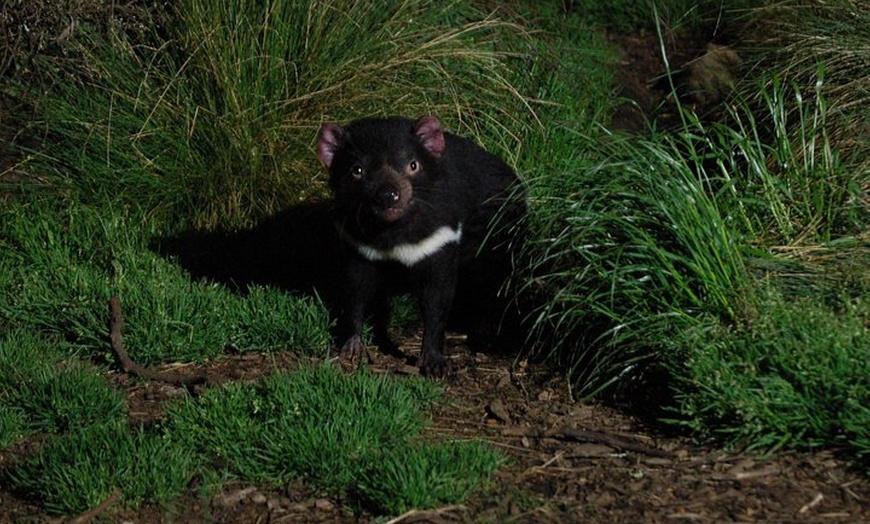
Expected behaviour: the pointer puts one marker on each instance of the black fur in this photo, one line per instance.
(411, 201)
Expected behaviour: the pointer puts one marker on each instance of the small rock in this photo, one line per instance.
(600, 499)
(496, 409)
(323, 505)
(233, 498)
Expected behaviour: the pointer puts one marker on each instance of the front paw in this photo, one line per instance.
(435, 365)
(350, 353)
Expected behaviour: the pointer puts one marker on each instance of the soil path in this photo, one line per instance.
(569, 462)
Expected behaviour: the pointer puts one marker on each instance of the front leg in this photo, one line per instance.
(360, 286)
(436, 283)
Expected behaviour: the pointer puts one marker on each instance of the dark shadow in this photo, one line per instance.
(298, 250)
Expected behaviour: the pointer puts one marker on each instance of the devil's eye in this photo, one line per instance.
(357, 172)
(413, 166)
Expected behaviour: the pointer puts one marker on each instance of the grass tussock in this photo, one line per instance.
(630, 248)
(820, 47)
(793, 186)
(646, 250)
(797, 376)
(212, 121)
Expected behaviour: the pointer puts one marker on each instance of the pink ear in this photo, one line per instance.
(329, 140)
(428, 129)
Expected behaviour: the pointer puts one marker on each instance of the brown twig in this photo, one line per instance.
(116, 322)
(91, 514)
(584, 435)
(431, 515)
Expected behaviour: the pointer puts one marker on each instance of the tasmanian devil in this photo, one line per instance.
(410, 200)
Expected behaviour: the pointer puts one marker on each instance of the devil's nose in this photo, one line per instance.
(387, 195)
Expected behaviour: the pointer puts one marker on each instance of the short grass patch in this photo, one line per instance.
(421, 477)
(353, 436)
(60, 266)
(41, 392)
(797, 375)
(332, 430)
(77, 471)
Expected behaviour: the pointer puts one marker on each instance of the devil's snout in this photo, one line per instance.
(387, 195)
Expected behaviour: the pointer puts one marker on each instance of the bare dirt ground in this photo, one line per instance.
(569, 462)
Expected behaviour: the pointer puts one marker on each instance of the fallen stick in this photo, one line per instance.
(91, 514)
(116, 322)
(584, 435)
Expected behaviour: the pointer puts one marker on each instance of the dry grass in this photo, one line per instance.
(824, 45)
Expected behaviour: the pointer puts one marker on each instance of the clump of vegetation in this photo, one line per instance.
(796, 376)
(211, 121)
(349, 435)
(819, 47)
(427, 476)
(74, 472)
(637, 242)
(40, 392)
(629, 249)
(316, 424)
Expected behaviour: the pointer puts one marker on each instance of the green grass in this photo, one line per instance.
(334, 432)
(354, 436)
(629, 248)
(639, 242)
(312, 424)
(141, 135)
(208, 126)
(797, 376)
(789, 184)
(646, 251)
(13, 425)
(819, 46)
(732, 254)
(41, 392)
(422, 477)
(678, 16)
(60, 266)
(77, 471)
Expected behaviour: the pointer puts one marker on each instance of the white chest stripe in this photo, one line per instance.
(410, 254)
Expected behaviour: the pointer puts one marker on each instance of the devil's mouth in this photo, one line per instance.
(392, 213)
